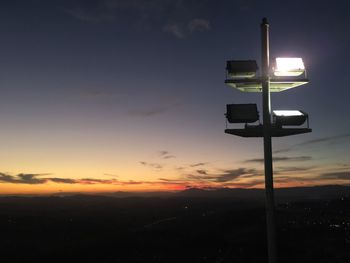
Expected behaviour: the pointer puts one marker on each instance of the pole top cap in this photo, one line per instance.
(264, 21)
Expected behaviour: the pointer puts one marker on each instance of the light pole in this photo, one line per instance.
(289, 73)
(266, 104)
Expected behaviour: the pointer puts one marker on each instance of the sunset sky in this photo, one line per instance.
(129, 95)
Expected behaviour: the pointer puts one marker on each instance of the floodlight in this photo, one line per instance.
(241, 68)
(289, 67)
(242, 113)
(289, 117)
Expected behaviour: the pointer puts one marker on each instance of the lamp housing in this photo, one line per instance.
(241, 68)
(288, 67)
(289, 117)
(242, 113)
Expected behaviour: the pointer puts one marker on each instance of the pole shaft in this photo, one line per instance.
(270, 207)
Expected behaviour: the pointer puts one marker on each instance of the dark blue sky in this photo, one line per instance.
(82, 80)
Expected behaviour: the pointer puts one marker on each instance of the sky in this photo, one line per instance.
(129, 95)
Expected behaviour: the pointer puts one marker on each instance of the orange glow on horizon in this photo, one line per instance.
(54, 188)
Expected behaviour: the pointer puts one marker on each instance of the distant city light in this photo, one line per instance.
(289, 67)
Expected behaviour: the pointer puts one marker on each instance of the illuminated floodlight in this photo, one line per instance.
(241, 68)
(289, 117)
(289, 67)
(287, 113)
(242, 113)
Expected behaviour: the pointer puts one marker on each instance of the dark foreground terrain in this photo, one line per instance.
(179, 228)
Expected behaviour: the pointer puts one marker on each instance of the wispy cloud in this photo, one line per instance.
(224, 176)
(174, 29)
(336, 175)
(198, 164)
(281, 159)
(62, 180)
(23, 178)
(166, 155)
(149, 112)
(112, 175)
(98, 93)
(143, 5)
(201, 171)
(326, 139)
(247, 184)
(90, 17)
(163, 153)
(179, 30)
(229, 175)
(293, 169)
(177, 17)
(169, 157)
(36, 179)
(152, 165)
(329, 139)
(200, 25)
(153, 111)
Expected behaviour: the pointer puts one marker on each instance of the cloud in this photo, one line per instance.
(98, 93)
(230, 175)
(336, 175)
(101, 10)
(225, 176)
(326, 139)
(112, 175)
(200, 25)
(153, 111)
(169, 181)
(166, 155)
(314, 179)
(177, 17)
(123, 4)
(169, 157)
(292, 169)
(148, 113)
(240, 177)
(174, 29)
(329, 139)
(198, 164)
(23, 178)
(63, 180)
(97, 11)
(95, 181)
(26, 178)
(248, 184)
(85, 16)
(163, 153)
(142, 5)
(152, 165)
(282, 158)
(194, 25)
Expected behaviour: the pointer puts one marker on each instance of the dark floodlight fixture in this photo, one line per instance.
(289, 117)
(241, 68)
(288, 67)
(242, 113)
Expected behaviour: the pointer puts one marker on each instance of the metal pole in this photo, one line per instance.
(270, 207)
